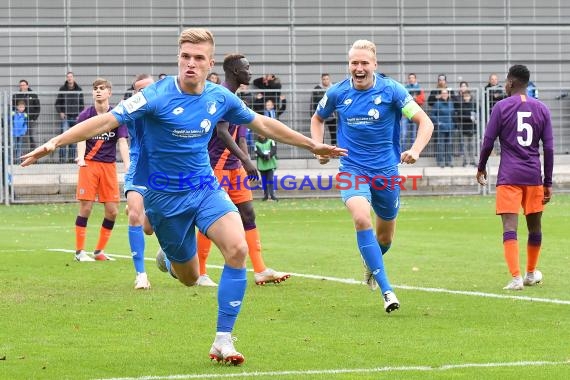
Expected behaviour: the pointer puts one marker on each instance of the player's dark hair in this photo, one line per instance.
(520, 73)
(231, 60)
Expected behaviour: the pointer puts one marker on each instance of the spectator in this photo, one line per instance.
(214, 78)
(435, 95)
(408, 127)
(319, 91)
(442, 117)
(466, 122)
(493, 92)
(273, 112)
(268, 109)
(270, 86)
(531, 90)
(266, 152)
(69, 104)
(33, 108)
(20, 122)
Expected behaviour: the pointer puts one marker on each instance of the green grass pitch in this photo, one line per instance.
(60, 319)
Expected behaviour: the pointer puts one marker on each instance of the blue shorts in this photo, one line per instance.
(382, 190)
(128, 186)
(175, 216)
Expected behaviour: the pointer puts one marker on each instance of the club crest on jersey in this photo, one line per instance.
(211, 107)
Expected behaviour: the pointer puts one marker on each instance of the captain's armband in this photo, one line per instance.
(410, 109)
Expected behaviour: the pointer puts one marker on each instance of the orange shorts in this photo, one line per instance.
(235, 183)
(510, 198)
(98, 179)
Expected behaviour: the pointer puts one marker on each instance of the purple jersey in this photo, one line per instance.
(220, 155)
(521, 123)
(102, 148)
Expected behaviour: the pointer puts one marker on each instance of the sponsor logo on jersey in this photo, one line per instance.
(134, 102)
(374, 113)
(178, 110)
(206, 125)
(323, 101)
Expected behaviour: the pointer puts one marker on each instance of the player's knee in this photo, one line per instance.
(384, 240)
(236, 255)
(112, 214)
(362, 222)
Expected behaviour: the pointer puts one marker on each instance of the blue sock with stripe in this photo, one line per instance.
(136, 241)
(372, 254)
(231, 291)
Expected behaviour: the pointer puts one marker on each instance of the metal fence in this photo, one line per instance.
(54, 179)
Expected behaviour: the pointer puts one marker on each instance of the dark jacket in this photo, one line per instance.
(465, 115)
(70, 101)
(33, 107)
(271, 88)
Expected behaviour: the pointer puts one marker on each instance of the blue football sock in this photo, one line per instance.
(231, 291)
(372, 254)
(136, 241)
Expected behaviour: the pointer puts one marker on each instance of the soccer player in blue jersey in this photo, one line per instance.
(180, 114)
(369, 108)
(134, 193)
(521, 123)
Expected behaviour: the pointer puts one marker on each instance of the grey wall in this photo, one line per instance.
(297, 40)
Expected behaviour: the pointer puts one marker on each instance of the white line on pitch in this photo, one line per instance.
(445, 367)
(406, 287)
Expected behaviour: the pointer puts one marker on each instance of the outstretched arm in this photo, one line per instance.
(223, 132)
(82, 131)
(278, 131)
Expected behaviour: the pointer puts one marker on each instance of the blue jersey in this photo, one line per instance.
(368, 123)
(176, 131)
(135, 129)
(135, 135)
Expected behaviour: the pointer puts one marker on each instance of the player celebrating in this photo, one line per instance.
(180, 114)
(369, 108)
(520, 122)
(226, 158)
